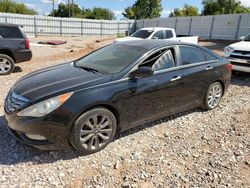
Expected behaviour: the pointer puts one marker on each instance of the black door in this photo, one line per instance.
(197, 70)
(158, 95)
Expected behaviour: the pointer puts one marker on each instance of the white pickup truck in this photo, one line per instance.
(158, 33)
(239, 54)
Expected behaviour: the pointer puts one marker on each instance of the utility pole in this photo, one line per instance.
(72, 8)
(53, 8)
(69, 7)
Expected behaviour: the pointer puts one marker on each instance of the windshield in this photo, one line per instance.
(111, 59)
(143, 34)
(247, 38)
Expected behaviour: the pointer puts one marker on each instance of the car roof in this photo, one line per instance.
(8, 24)
(151, 44)
(156, 28)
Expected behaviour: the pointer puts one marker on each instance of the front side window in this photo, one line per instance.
(158, 35)
(143, 34)
(160, 60)
(191, 55)
(10, 32)
(111, 59)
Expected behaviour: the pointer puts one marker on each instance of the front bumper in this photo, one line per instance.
(57, 135)
(242, 65)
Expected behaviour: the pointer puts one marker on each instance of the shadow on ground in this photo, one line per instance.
(240, 78)
(13, 152)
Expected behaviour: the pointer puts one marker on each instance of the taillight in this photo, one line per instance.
(229, 66)
(27, 43)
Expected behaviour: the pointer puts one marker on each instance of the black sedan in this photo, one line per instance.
(85, 103)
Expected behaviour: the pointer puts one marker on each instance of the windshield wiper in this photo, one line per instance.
(89, 69)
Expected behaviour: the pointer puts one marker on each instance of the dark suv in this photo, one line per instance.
(14, 47)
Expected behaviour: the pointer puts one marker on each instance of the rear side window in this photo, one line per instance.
(191, 55)
(159, 35)
(10, 32)
(210, 57)
(168, 34)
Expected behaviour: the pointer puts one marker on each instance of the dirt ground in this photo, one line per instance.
(191, 149)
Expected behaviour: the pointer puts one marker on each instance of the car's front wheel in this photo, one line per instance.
(213, 96)
(94, 130)
(7, 64)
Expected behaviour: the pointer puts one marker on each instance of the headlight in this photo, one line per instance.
(228, 49)
(43, 108)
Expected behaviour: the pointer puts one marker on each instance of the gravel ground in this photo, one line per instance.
(191, 149)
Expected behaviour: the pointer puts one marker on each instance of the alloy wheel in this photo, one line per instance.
(96, 132)
(214, 95)
(5, 65)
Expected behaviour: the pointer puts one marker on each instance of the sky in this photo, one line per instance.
(43, 7)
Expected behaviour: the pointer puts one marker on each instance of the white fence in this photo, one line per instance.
(225, 27)
(45, 25)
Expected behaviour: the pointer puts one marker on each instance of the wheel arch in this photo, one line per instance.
(222, 84)
(8, 53)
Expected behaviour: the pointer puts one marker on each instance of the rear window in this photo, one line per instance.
(10, 32)
(143, 34)
(169, 34)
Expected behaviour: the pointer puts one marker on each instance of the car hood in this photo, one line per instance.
(56, 80)
(126, 39)
(243, 45)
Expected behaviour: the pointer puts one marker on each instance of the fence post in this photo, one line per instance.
(118, 29)
(129, 25)
(158, 20)
(81, 28)
(35, 28)
(61, 27)
(101, 28)
(190, 26)
(211, 29)
(238, 27)
(143, 24)
(6, 19)
(175, 26)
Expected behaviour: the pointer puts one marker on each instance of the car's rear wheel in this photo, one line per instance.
(7, 64)
(94, 130)
(213, 96)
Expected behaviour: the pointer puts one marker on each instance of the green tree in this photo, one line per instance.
(187, 10)
(63, 11)
(10, 6)
(215, 7)
(99, 14)
(77, 12)
(144, 9)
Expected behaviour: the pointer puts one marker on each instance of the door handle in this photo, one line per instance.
(209, 68)
(175, 78)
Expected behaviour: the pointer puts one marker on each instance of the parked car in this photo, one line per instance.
(14, 47)
(159, 33)
(239, 54)
(87, 102)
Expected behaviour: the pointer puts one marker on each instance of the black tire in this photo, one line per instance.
(212, 99)
(7, 64)
(98, 122)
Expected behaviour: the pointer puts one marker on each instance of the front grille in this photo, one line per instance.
(242, 52)
(15, 102)
(240, 57)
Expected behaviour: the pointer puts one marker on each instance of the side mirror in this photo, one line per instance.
(242, 38)
(154, 37)
(141, 72)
